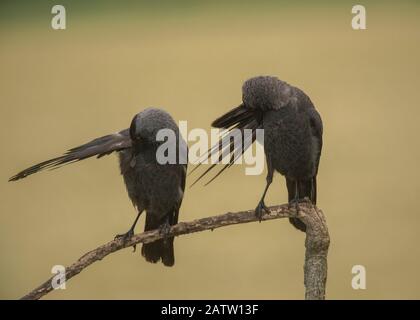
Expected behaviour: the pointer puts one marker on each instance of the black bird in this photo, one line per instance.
(292, 137)
(156, 188)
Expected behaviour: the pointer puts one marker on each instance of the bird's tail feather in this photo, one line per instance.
(98, 147)
(235, 122)
(162, 249)
(306, 189)
(152, 251)
(168, 256)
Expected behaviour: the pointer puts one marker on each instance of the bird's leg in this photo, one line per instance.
(261, 207)
(129, 233)
(295, 200)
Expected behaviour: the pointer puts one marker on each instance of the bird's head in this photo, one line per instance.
(146, 124)
(266, 93)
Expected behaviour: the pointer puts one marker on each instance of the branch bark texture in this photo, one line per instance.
(317, 243)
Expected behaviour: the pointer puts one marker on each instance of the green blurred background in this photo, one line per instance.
(61, 88)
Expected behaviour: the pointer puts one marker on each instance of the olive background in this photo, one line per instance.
(60, 88)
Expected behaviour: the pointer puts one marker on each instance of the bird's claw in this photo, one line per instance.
(261, 209)
(125, 237)
(294, 204)
(306, 200)
(164, 229)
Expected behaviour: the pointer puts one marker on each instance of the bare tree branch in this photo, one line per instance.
(317, 243)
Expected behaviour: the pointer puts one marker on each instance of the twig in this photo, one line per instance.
(317, 242)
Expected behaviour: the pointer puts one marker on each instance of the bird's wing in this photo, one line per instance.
(183, 173)
(98, 147)
(317, 130)
(235, 121)
(315, 122)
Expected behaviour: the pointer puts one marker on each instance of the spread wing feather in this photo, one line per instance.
(98, 147)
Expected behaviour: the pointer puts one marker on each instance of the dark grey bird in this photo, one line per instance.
(152, 186)
(292, 137)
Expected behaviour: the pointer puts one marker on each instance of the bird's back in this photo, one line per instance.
(290, 140)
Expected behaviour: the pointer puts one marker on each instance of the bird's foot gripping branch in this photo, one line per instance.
(316, 244)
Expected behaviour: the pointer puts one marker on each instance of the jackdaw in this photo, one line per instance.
(152, 186)
(292, 137)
